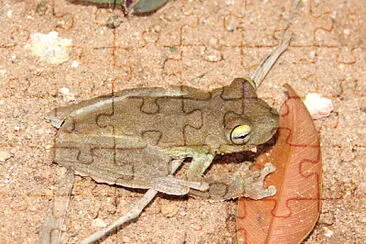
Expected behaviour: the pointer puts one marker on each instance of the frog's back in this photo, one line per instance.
(117, 139)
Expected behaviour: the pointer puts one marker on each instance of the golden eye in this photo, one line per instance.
(240, 134)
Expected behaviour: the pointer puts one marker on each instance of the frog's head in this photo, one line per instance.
(256, 125)
(251, 131)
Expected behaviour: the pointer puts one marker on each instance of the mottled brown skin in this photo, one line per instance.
(134, 138)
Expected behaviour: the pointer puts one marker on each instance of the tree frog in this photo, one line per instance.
(135, 138)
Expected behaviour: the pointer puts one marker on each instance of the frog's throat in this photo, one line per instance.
(225, 149)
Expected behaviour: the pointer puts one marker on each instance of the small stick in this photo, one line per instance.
(130, 215)
(51, 230)
(263, 69)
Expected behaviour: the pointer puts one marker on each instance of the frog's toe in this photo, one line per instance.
(270, 191)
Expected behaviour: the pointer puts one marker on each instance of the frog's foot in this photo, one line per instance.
(244, 183)
(173, 186)
(251, 183)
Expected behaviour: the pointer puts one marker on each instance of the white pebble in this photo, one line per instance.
(328, 232)
(66, 94)
(17, 128)
(230, 27)
(4, 155)
(213, 58)
(74, 64)
(3, 72)
(50, 48)
(9, 14)
(318, 106)
(347, 31)
(64, 91)
(98, 223)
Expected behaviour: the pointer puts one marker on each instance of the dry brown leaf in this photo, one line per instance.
(291, 214)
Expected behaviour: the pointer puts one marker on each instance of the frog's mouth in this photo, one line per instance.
(233, 148)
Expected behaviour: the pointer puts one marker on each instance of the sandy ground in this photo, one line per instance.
(201, 43)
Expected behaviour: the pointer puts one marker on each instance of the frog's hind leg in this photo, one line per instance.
(173, 186)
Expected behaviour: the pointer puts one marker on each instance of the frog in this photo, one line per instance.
(137, 137)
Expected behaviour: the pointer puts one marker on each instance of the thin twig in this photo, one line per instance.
(263, 69)
(50, 232)
(130, 215)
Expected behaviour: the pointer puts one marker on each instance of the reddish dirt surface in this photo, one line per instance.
(199, 43)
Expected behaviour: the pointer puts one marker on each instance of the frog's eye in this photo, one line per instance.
(240, 134)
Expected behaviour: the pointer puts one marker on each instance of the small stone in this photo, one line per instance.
(157, 28)
(196, 227)
(17, 128)
(312, 54)
(347, 31)
(361, 189)
(327, 232)
(126, 239)
(41, 8)
(213, 42)
(212, 55)
(74, 64)
(213, 58)
(362, 219)
(230, 28)
(98, 223)
(326, 218)
(66, 94)
(49, 193)
(173, 49)
(64, 91)
(169, 210)
(4, 155)
(50, 48)
(318, 106)
(114, 21)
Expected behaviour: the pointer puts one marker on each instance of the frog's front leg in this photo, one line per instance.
(201, 160)
(173, 186)
(199, 164)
